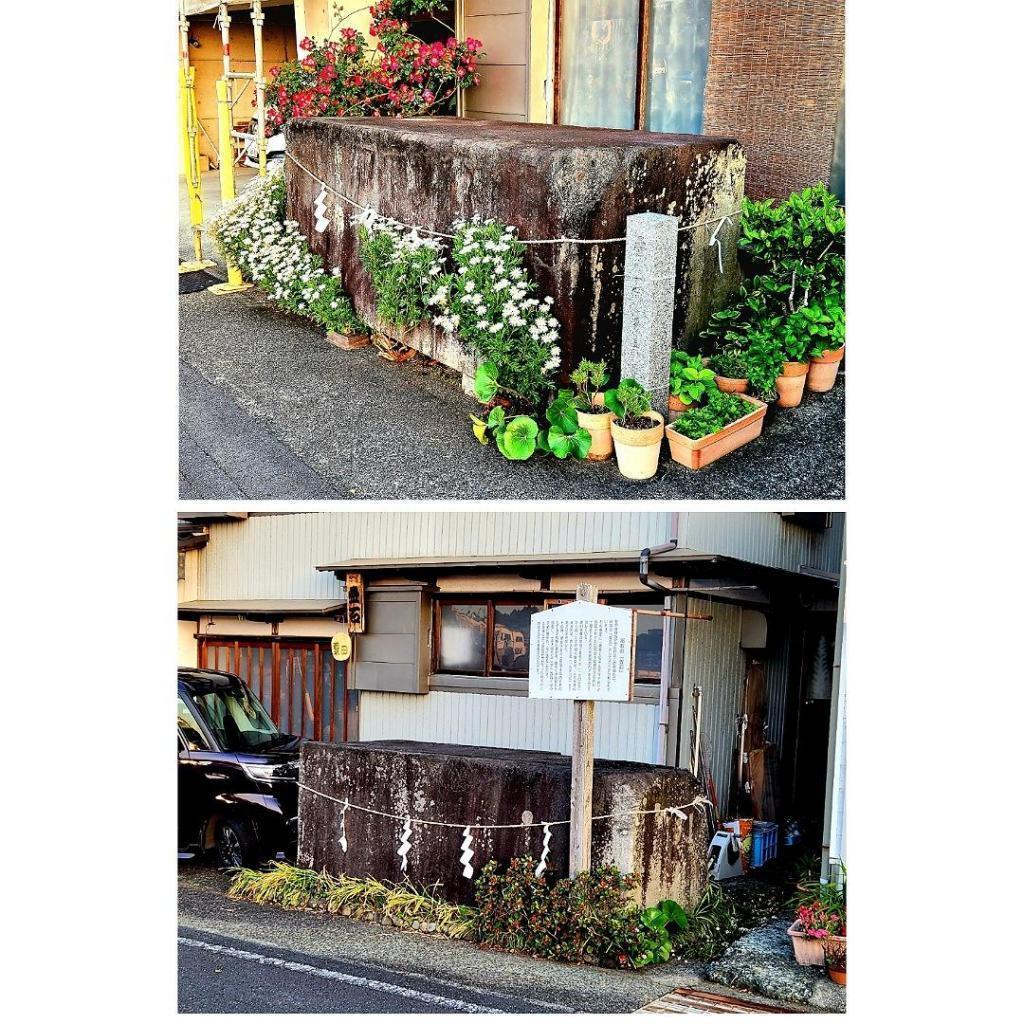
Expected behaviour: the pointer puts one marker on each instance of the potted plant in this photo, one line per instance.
(835, 958)
(829, 330)
(637, 430)
(588, 379)
(688, 382)
(730, 370)
(723, 424)
(820, 915)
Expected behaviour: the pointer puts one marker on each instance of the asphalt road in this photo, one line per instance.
(215, 976)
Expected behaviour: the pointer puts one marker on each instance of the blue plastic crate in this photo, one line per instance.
(764, 843)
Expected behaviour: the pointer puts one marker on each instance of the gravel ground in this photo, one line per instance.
(762, 961)
(373, 429)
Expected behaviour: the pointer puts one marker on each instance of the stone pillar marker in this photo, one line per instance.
(648, 301)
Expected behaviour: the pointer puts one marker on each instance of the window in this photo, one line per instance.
(482, 637)
(189, 727)
(609, 79)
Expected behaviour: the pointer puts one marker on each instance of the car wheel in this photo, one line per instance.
(236, 844)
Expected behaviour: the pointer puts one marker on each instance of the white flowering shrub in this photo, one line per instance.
(251, 233)
(401, 265)
(489, 304)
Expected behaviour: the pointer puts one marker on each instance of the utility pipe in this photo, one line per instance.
(261, 85)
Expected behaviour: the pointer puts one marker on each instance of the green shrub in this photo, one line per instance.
(712, 925)
(689, 379)
(730, 363)
(586, 919)
(398, 263)
(399, 903)
(720, 410)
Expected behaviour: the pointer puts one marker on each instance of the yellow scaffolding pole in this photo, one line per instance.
(193, 177)
(234, 282)
(261, 85)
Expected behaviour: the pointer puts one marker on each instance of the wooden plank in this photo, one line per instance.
(581, 804)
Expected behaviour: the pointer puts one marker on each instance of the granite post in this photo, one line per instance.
(648, 301)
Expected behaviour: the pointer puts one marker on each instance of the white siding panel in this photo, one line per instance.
(764, 538)
(277, 555)
(623, 732)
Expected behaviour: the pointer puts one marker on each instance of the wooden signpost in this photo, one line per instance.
(583, 652)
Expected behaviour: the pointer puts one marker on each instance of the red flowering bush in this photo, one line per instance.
(821, 920)
(401, 76)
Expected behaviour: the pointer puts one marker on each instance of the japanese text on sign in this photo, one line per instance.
(582, 651)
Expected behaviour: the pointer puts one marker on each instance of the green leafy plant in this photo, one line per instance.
(587, 919)
(821, 906)
(663, 927)
(490, 305)
(564, 435)
(721, 410)
(399, 263)
(630, 402)
(729, 363)
(398, 903)
(689, 379)
(589, 379)
(711, 926)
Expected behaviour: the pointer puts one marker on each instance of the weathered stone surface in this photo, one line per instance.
(548, 181)
(648, 302)
(467, 785)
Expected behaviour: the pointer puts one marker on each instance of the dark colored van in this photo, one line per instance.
(237, 774)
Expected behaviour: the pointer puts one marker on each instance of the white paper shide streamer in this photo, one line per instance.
(343, 839)
(542, 866)
(715, 240)
(678, 812)
(320, 210)
(405, 846)
(467, 853)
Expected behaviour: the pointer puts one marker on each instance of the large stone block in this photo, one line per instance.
(471, 785)
(548, 181)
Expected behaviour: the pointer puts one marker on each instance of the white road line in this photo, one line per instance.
(348, 979)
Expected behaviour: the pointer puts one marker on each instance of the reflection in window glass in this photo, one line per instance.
(678, 65)
(649, 632)
(511, 648)
(598, 62)
(190, 727)
(463, 645)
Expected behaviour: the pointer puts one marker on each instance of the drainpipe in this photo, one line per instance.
(833, 724)
(667, 635)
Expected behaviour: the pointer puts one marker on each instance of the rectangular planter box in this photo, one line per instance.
(809, 952)
(348, 342)
(698, 454)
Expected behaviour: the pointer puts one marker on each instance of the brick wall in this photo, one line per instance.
(775, 79)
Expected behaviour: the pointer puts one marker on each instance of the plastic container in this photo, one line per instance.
(764, 844)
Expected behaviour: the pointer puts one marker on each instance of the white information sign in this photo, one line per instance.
(582, 651)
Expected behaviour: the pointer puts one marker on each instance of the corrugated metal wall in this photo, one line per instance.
(623, 731)
(765, 538)
(276, 555)
(715, 662)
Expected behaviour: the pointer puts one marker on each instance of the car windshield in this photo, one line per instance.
(236, 718)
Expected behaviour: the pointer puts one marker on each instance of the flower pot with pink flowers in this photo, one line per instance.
(820, 917)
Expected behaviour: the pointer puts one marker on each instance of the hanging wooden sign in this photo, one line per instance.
(356, 603)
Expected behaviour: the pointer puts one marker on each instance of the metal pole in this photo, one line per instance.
(234, 282)
(261, 85)
(193, 178)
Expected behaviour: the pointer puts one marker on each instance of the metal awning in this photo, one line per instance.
(261, 608)
(504, 563)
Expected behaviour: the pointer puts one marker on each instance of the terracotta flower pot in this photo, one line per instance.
(790, 385)
(637, 451)
(839, 977)
(732, 385)
(809, 952)
(599, 426)
(676, 407)
(822, 374)
(705, 450)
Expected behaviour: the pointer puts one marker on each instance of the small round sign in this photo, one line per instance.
(341, 646)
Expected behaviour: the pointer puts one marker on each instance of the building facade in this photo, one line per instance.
(445, 599)
(768, 72)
